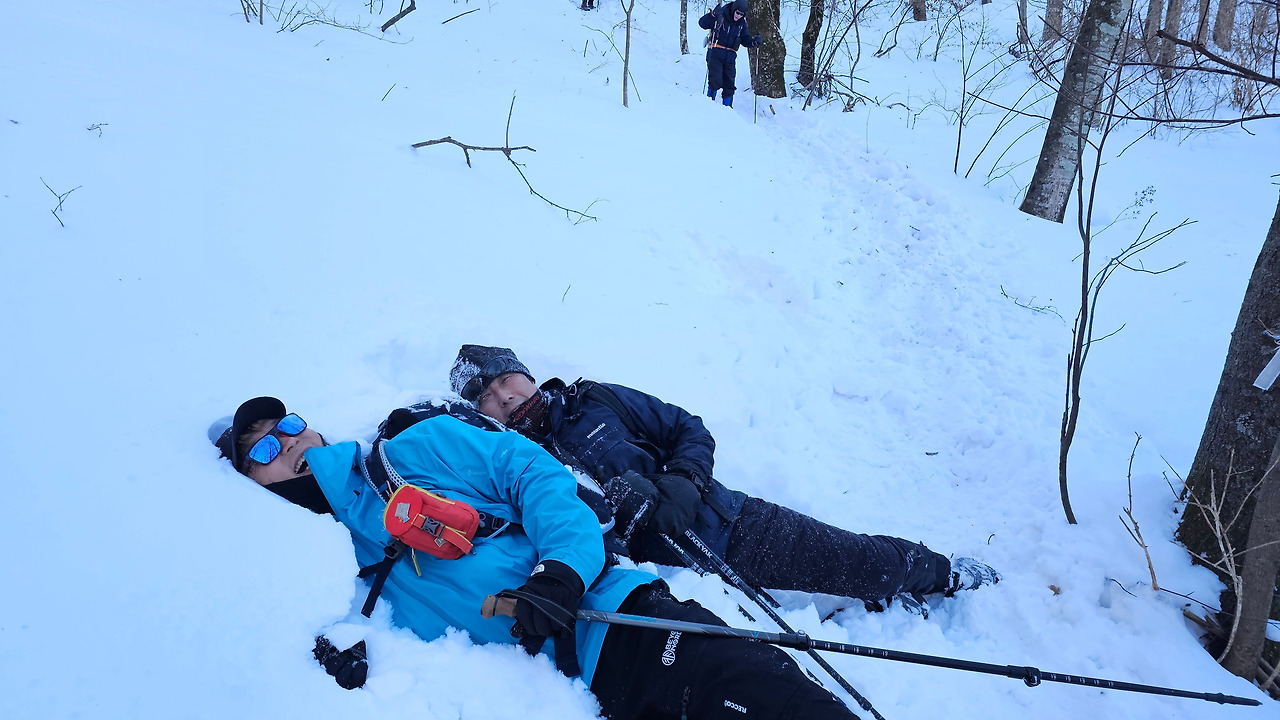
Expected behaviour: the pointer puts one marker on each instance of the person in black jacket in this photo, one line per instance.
(728, 26)
(654, 461)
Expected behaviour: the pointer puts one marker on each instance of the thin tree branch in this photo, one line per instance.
(1199, 48)
(455, 17)
(507, 150)
(405, 11)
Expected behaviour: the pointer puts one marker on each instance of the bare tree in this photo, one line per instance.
(1024, 34)
(626, 55)
(684, 27)
(1244, 420)
(920, 12)
(1073, 113)
(1258, 577)
(767, 78)
(1052, 22)
(1224, 23)
(1169, 49)
(809, 42)
(1202, 21)
(1155, 13)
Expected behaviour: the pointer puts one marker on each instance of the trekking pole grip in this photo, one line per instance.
(494, 605)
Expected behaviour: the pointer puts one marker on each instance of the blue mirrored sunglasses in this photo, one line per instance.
(268, 447)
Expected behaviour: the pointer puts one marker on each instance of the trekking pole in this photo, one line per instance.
(723, 570)
(494, 605)
(697, 567)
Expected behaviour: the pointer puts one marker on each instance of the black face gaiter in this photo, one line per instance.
(532, 416)
(302, 490)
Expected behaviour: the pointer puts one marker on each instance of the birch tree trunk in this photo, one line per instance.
(1224, 23)
(684, 27)
(1078, 99)
(1173, 27)
(809, 42)
(767, 61)
(1244, 421)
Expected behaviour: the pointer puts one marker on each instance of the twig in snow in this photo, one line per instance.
(455, 17)
(61, 198)
(1132, 526)
(506, 150)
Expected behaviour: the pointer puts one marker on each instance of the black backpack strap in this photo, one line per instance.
(606, 397)
(380, 571)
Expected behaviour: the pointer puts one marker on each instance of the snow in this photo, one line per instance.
(855, 323)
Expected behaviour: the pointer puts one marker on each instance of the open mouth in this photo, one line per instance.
(301, 467)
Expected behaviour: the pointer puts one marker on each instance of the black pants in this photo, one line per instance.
(776, 547)
(650, 674)
(721, 70)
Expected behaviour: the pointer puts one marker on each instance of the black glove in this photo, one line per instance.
(349, 667)
(634, 498)
(756, 39)
(690, 470)
(678, 500)
(547, 604)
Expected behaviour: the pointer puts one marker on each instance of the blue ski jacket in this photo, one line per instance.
(500, 474)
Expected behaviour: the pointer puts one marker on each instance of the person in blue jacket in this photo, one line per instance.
(542, 541)
(728, 26)
(654, 462)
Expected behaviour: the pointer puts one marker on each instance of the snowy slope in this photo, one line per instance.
(248, 218)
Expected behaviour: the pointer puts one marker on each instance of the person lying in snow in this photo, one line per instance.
(542, 541)
(654, 463)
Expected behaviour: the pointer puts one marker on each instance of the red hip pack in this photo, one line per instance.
(431, 523)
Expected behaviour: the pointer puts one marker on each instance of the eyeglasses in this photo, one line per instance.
(268, 447)
(480, 380)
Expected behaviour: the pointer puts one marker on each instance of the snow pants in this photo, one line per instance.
(776, 547)
(721, 71)
(652, 674)
(771, 546)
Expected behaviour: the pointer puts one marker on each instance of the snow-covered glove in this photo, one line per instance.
(634, 498)
(349, 667)
(678, 500)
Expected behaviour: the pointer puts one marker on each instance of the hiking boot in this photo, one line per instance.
(914, 603)
(969, 574)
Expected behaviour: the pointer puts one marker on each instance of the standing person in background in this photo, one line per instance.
(728, 26)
